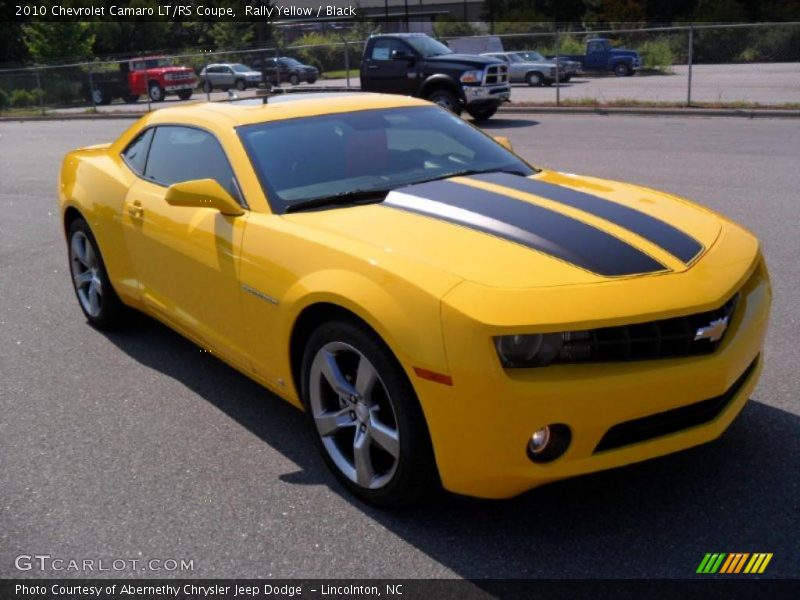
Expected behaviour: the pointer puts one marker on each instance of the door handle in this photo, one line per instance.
(135, 210)
(373, 67)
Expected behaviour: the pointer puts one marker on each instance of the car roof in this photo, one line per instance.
(291, 106)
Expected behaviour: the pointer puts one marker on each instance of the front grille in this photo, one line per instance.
(677, 419)
(495, 74)
(666, 338)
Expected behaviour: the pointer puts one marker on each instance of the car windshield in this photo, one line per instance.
(515, 58)
(307, 158)
(154, 63)
(532, 55)
(290, 61)
(239, 68)
(428, 46)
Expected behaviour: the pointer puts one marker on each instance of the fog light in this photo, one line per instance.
(539, 440)
(549, 442)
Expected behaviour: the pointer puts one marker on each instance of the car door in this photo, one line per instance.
(597, 56)
(383, 72)
(187, 259)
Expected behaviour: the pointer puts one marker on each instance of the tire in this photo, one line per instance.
(241, 85)
(445, 99)
(185, 94)
(376, 417)
(294, 79)
(207, 86)
(132, 98)
(483, 114)
(566, 79)
(96, 297)
(534, 79)
(621, 70)
(312, 81)
(155, 91)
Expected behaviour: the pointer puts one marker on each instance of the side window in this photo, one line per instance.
(135, 155)
(184, 153)
(386, 49)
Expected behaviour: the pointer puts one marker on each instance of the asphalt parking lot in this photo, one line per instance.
(136, 444)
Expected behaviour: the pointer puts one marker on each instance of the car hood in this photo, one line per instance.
(508, 231)
(470, 60)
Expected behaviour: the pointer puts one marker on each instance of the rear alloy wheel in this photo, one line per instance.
(132, 98)
(156, 92)
(445, 99)
(368, 421)
(96, 297)
(534, 79)
(240, 85)
(185, 94)
(294, 79)
(621, 70)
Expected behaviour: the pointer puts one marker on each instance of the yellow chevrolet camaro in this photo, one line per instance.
(445, 313)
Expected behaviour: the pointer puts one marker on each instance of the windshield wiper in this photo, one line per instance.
(468, 172)
(343, 198)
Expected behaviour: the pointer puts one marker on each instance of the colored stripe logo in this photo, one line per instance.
(734, 563)
(527, 224)
(662, 234)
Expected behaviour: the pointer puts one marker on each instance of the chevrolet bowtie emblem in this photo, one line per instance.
(712, 332)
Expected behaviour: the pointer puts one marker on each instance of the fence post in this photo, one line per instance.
(347, 63)
(558, 68)
(277, 65)
(689, 84)
(206, 84)
(41, 91)
(146, 86)
(91, 90)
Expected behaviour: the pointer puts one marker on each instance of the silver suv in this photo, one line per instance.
(229, 75)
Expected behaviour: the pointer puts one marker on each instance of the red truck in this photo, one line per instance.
(151, 75)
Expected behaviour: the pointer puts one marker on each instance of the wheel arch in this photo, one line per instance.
(440, 81)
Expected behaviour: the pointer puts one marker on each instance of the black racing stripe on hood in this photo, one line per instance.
(524, 223)
(662, 234)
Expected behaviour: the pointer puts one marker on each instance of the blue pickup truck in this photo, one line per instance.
(600, 56)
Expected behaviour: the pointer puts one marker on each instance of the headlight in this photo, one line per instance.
(541, 349)
(471, 77)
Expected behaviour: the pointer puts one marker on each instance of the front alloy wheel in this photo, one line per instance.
(354, 415)
(367, 419)
(156, 92)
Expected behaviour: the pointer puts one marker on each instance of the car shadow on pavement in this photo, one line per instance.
(740, 493)
(499, 122)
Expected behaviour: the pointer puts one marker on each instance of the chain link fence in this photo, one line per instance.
(750, 65)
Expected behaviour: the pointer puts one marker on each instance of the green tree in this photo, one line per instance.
(49, 42)
(231, 35)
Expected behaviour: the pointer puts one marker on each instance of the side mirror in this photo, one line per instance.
(203, 193)
(504, 142)
(403, 55)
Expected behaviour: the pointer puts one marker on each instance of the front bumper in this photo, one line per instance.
(486, 94)
(178, 86)
(481, 425)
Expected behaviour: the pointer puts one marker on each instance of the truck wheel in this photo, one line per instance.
(483, 114)
(241, 85)
(132, 99)
(155, 91)
(294, 79)
(207, 87)
(185, 94)
(621, 70)
(534, 79)
(366, 418)
(445, 99)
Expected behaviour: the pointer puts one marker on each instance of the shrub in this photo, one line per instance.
(566, 45)
(656, 54)
(21, 98)
(3, 99)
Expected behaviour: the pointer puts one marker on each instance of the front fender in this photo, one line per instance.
(441, 80)
(407, 318)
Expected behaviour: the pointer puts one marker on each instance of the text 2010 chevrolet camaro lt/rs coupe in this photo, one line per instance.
(445, 313)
